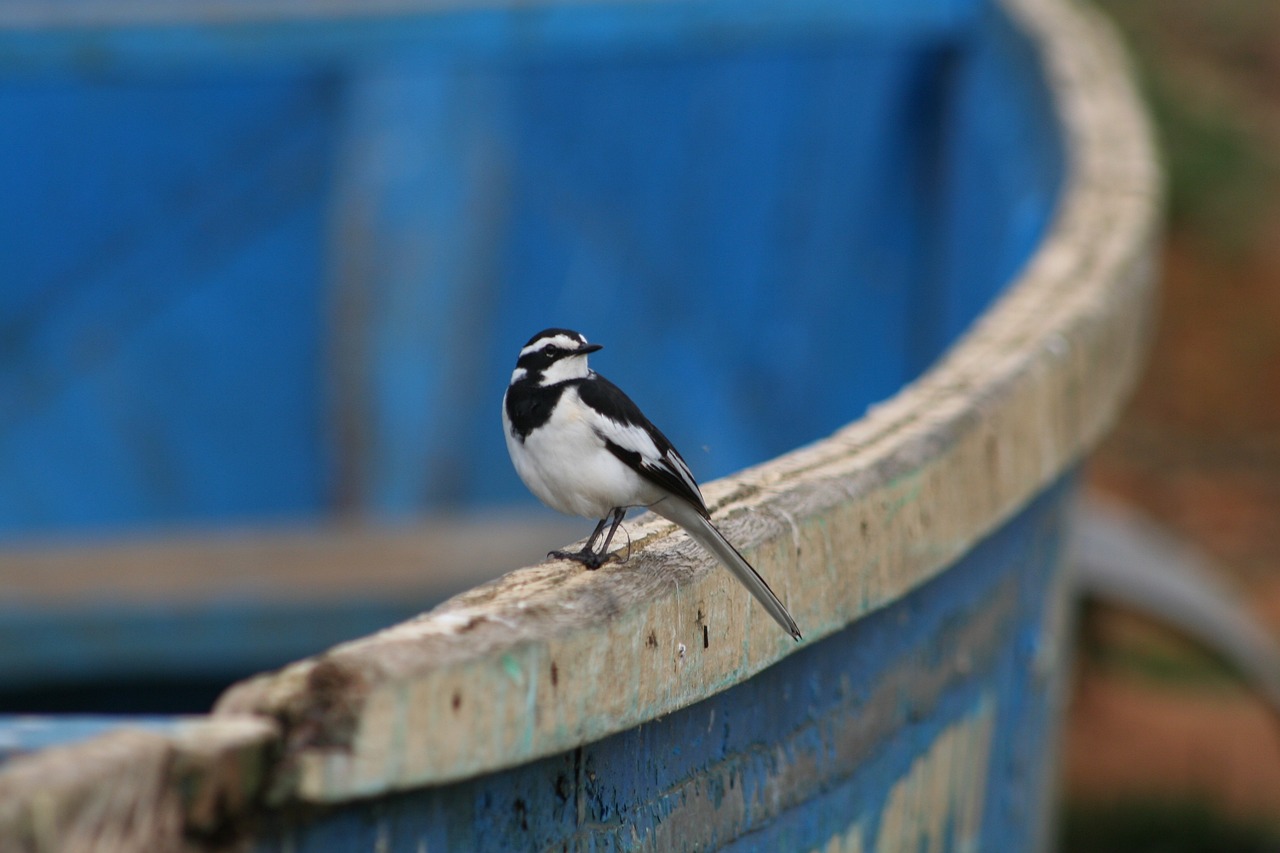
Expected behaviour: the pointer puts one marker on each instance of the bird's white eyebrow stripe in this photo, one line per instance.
(563, 341)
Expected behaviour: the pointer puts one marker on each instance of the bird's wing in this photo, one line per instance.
(630, 436)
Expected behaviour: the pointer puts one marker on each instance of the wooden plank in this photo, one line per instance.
(135, 789)
(551, 656)
(287, 564)
(207, 608)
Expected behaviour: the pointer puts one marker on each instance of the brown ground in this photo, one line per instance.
(1199, 447)
(1132, 741)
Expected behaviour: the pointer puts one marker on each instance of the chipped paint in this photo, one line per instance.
(937, 806)
(846, 842)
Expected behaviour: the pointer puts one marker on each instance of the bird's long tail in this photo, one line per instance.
(706, 535)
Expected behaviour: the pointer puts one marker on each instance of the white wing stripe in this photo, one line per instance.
(681, 470)
(632, 438)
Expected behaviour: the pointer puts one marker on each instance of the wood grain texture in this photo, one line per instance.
(551, 656)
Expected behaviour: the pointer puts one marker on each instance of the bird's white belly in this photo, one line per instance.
(566, 464)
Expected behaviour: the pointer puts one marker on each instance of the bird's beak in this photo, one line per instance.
(586, 348)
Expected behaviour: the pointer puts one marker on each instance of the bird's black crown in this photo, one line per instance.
(551, 333)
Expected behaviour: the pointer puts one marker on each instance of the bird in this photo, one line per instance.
(584, 448)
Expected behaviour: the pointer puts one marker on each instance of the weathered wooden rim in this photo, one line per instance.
(550, 657)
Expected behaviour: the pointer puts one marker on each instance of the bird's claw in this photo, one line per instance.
(590, 559)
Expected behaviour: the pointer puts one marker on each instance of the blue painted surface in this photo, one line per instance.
(161, 345)
(614, 795)
(239, 289)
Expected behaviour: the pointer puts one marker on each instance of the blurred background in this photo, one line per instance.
(1165, 750)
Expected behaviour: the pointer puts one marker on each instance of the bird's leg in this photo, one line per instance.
(587, 556)
(618, 513)
(590, 547)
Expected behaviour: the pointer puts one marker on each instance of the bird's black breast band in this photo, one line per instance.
(530, 406)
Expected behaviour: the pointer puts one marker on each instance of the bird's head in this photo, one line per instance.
(554, 355)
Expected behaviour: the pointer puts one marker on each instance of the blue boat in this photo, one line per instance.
(883, 271)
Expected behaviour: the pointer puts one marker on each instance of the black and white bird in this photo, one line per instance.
(584, 448)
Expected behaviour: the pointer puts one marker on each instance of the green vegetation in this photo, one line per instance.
(1160, 827)
(1119, 642)
(1209, 71)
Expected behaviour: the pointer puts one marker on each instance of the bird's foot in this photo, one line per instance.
(590, 559)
